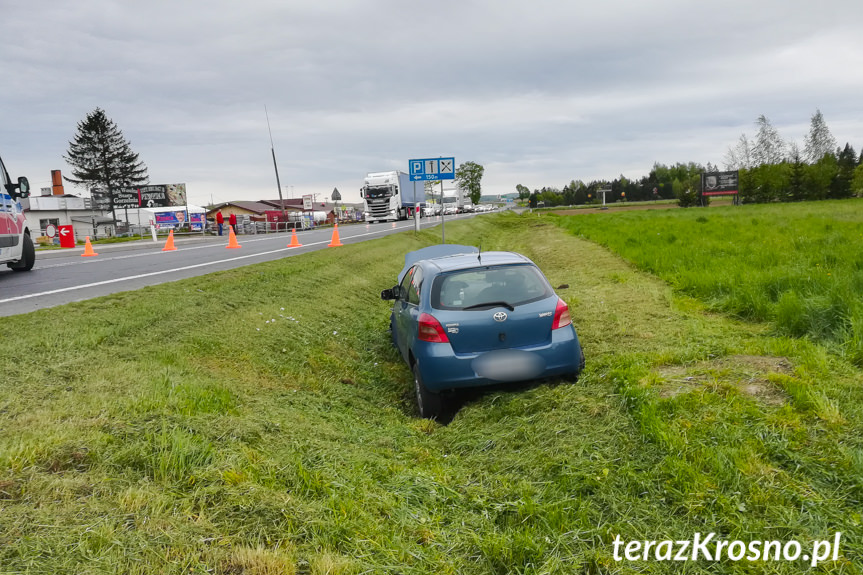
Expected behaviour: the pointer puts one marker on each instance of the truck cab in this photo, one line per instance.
(16, 246)
(390, 196)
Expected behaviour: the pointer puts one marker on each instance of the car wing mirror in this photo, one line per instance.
(19, 190)
(390, 294)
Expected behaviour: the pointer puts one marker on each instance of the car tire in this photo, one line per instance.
(28, 256)
(430, 404)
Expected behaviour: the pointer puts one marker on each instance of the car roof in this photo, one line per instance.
(431, 252)
(451, 257)
(458, 262)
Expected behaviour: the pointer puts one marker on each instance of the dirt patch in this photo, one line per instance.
(747, 373)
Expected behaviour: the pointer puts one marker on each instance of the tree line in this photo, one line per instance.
(770, 169)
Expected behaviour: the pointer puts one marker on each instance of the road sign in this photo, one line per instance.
(50, 230)
(67, 237)
(307, 202)
(432, 169)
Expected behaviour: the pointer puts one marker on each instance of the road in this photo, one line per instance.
(64, 276)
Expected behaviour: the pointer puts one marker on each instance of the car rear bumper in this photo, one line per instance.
(441, 368)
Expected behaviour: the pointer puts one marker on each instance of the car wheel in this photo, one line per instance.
(28, 256)
(430, 404)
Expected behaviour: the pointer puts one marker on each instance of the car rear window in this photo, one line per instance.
(513, 284)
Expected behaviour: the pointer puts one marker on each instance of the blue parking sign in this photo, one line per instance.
(432, 169)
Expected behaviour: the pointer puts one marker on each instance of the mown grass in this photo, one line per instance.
(797, 266)
(258, 421)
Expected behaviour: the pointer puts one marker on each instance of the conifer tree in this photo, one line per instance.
(102, 158)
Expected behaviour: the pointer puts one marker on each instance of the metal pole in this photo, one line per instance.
(442, 210)
(416, 213)
(275, 166)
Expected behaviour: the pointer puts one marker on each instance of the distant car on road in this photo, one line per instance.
(463, 319)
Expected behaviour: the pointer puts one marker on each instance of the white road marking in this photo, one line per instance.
(151, 274)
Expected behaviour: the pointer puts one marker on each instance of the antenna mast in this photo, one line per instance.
(276, 168)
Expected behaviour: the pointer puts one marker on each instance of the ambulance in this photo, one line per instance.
(16, 246)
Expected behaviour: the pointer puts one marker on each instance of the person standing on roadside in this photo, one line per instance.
(220, 219)
(232, 219)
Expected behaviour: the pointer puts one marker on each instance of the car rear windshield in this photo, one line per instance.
(471, 288)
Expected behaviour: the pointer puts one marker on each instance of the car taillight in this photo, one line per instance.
(561, 315)
(431, 330)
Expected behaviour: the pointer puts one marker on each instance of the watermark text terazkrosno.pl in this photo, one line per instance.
(708, 548)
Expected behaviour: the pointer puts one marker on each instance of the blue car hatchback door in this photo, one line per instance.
(462, 319)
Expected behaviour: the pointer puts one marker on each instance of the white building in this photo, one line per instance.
(64, 210)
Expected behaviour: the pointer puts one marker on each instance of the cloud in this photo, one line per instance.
(540, 93)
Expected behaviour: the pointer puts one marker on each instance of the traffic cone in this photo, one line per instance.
(335, 242)
(232, 239)
(88, 249)
(169, 245)
(295, 243)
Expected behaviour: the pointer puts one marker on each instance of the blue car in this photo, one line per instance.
(464, 319)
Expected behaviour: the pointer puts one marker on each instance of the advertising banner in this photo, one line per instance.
(126, 198)
(719, 183)
(151, 196)
(197, 221)
(171, 219)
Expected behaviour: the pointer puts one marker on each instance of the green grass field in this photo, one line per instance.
(258, 421)
(797, 266)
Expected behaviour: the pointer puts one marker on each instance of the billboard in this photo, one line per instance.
(196, 221)
(170, 219)
(149, 196)
(126, 198)
(178, 218)
(719, 183)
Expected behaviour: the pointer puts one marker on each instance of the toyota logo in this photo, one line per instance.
(499, 316)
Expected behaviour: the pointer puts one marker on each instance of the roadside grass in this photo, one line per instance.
(258, 421)
(797, 266)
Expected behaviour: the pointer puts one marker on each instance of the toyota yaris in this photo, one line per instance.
(462, 319)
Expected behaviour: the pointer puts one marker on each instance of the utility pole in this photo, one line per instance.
(276, 167)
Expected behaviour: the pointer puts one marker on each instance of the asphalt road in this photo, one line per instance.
(64, 276)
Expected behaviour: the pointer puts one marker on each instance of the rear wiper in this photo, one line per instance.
(491, 304)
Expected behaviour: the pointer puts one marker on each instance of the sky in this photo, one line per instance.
(539, 93)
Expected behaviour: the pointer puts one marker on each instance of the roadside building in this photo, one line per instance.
(64, 210)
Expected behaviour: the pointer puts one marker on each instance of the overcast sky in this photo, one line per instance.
(539, 93)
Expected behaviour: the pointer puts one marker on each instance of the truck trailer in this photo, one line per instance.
(452, 201)
(391, 196)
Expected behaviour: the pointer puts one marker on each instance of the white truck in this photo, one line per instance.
(391, 196)
(452, 201)
(16, 246)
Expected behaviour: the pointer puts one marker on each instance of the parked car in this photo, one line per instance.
(463, 319)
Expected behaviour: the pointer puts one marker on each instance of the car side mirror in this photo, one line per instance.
(21, 190)
(390, 294)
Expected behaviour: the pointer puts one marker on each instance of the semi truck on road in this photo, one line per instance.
(16, 246)
(391, 196)
(452, 201)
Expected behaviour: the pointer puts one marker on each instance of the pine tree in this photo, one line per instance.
(102, 158)
(840, 187)
(819, 141)
(796, 183)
